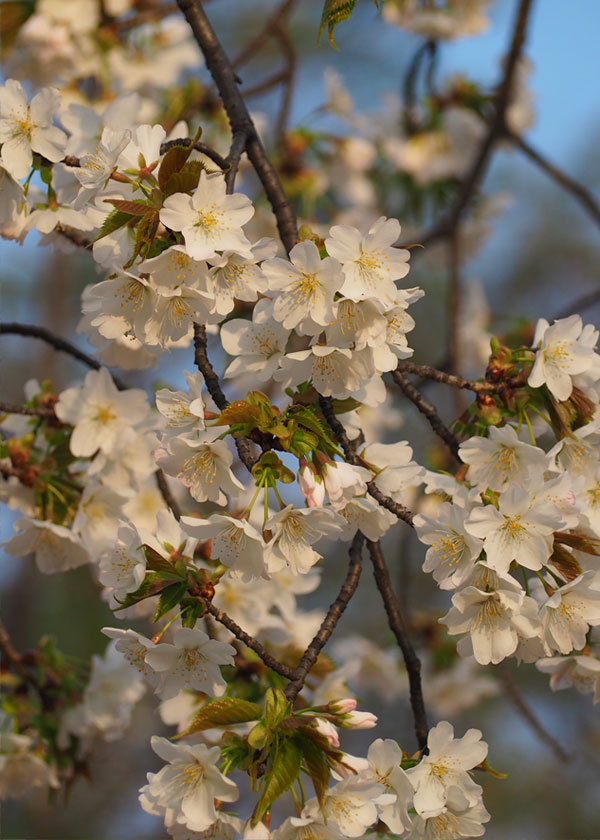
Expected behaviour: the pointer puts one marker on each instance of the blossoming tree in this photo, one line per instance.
(204, 512)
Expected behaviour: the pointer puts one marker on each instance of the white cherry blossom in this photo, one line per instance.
(99, 413)
(27, 128)
(369, 263)
(55, 547)
(209, 220)
(306, 286)
(334, 371)
(183, 410)
(445, 766)
(385, 757)
(235, 543)
(502, 460)
(193, 661)
(581, 672)
(185, 789)
(294, 532)
(204, 467)
(257, 345)
(453, 551)
(236, 277)
(568, 614)
(561, 355)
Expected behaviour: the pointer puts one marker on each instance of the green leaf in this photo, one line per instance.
(335, 11)
(195, 609)
(223, 712)
(259, 736)
(143, 235)
(277, 706)
(116, 219)
(173, 162)
(169, 598)
(281, 776)
(149, 587)
(187, 179)
(317, 766)
(239, 411)
(132, 207)
(157, 563)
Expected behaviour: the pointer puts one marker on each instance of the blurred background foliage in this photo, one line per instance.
(540, 259)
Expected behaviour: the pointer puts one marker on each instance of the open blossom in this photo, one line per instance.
(209, 220)
(97, 166)
(502, 460)
(235, 543)
(496, 614)
(25, 129)
(334, 371)
(562, 354)
(306, 286)
(236, 277)
(133, 647)
(568, 614)
(582, 672)
(369, 263)
(385, 757)
(446, 766)
(519, 530)
(460, 818)
(193, 661)
(453, 552)
(295, 531)
(99, 412)
(183, 410)
(257, 345)
(350, 805)
(204, 467)
(185, 789)
(368, 516)
(56, 548)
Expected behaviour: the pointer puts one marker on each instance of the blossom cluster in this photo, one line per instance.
(212, 518)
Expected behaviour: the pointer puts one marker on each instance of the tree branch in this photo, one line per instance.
(250, 642)
(400, 631)
(32, 331)
(330, 621)
(240, 121)
(349, 448)
(577, 190)
(428, 372)
(428, 410)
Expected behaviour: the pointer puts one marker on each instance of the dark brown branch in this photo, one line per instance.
(496, 131)
(240, 121)
(244, 446)
(400, 631)
(165, 492)
(577, 190)
(529, 717)
(330, 621)
(351, 456)
(240, 634)
(238, 144)
(427, 410)
(32, 331)
(428, 372)
(9, 408)
(266, 84)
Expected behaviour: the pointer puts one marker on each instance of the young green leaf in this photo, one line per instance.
(223, 712)
(281, 776)
(170, 598)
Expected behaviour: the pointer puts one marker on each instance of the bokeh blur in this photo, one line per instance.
(540, 259)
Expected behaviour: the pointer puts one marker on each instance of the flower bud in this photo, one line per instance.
(327, 729)
(342, 707)
(358, 720)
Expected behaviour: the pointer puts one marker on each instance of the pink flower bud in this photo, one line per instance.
(342, 707)
(358, 720)
(327, 729)
(311, 486)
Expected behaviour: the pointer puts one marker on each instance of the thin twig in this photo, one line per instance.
(428, 372)
(165, 492)
(400, 631)
(349, 448)
(240, 121)
(454, 300)
(428, 410)
(583, 302)
(576, 189)
(9, 408)
(330, 621)
(269, 660)
(529, 717)
(33, 331)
